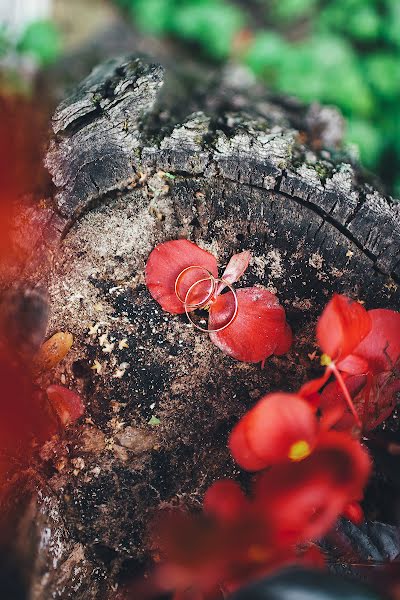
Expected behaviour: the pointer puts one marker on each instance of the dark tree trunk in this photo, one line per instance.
(140, 156)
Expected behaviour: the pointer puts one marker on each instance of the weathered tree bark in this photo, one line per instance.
(140, 156)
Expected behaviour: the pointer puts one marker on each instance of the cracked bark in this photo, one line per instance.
(140, 155)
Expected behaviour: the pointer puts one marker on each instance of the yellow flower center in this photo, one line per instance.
(325, 360)
(299, 450)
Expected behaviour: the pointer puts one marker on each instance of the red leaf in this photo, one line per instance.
(343, 324)
(67, 405)
(258, 330)
(280, 427)
(381, 347)
(166, 262)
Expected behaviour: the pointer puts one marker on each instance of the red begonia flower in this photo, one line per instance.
(377, 356)
(290, 505)
(343, 324)
(304, 500)
(279, 428)
(203, 554)
(67, 405)
(165, 264)
(258, 330)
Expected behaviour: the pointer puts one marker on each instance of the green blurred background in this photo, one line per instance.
(344, 52)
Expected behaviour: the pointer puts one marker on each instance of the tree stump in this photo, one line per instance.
(140, 156)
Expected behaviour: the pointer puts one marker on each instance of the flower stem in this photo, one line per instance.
(346, 394)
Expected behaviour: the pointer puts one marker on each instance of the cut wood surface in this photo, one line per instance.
(141, 155)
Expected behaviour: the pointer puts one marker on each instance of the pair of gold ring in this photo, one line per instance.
(216, 284)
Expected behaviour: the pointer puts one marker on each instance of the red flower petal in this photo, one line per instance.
(343, 324)
(312, 556)
(285, 341)
(332, 402)
(225, 500)
(381, 347)
(166, 262)
(258, 330)
(353, 365)
(348, 461)
(354, 513)
(236, 267)
(280, 427)
(310, 388)
(303, 500)
(374, 397)
(300, 500)
(67, 405)
(378, 399)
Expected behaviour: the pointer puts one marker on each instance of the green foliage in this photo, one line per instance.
(41, 40)
(382, 72)
(325, 68)
(345, 53)
(152, 16)
(267, 53)
(368, 138)
(287, 10)
(392, 22)
(360, 19)
(211, 23)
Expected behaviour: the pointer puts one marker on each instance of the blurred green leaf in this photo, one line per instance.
(325, 68)
(287, 10)
(360, 19)
(383, 73)
(152, 16)
(212, 23)
(368, 139)
(266, 50)
(392, 23)
(41, 39)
